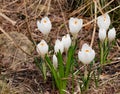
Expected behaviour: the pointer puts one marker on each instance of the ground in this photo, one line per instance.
(18, 73)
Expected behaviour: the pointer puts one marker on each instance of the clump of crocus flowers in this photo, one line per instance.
(60, 68)
(105, 36)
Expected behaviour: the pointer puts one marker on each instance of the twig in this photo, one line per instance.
(114, 9)
(11, 3)
(7, 18)
(99, 8)
(93, 35)
(37, 8)
(107, 4)
(28, 28)
(114, 76)
(43, 8)
(48, 9)
(63, 16)
(96, 18)
(80, 9)
(16, 45)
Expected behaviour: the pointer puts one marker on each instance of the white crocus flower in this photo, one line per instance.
(111, 34)
(103, 21)
(87, 54)
(102, 34)
(75, 25)
(66, 40)
(44, 25)
(59, 46)
(55, 61)
(42, 48)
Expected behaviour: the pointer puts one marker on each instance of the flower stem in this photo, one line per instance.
(86, 78)
(101, 54)
(86, 72)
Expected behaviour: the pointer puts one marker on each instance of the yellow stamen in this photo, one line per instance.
(75, 22)
(87, 51)
(104, 17)
(44, 21)
(42, 44)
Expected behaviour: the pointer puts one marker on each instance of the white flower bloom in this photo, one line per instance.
(103, 21)
(75, 25)
(111, 34)
(59, 46)
(44, 25)
(42, 48)
(102, 34)
(66, 40)
(87, 54)
(55, 61)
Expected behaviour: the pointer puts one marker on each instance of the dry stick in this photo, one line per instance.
(114, 9)
(17, 46)
(48, 7)
(28, 28)
(96, 18)
(63, 16)
(79, 9)
(99, 8)
(10, 3)
(108, 80)
(118, 46)
(43, 8)
(37, 7)
(107, 4)
(7, 18)
(8, 11)
(93, 35)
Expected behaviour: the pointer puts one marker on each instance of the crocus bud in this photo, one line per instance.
(55, 61)
(102, 34)
(44, 25)
(58, 46)
(111, 34)
(86, 55)
(103, 21)
(66, 40)
(75, 25)
(42, 48)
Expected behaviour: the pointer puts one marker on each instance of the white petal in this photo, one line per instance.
(87, 54)
(82, 57)
(45, 25)
(85, 46)
(66, 40)
(111, 34)
(103, 21)
(55, 61)
(38, 24)
(92, 55)
(58, 46)
(102, 34)
(75, 25)
(42, 48)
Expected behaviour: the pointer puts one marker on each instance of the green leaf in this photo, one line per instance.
(40, 64)
(70, 60)
(54, 71)
(60, 64)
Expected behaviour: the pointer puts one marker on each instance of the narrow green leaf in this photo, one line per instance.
(60, 64)
(54, 72)
(69, 60)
